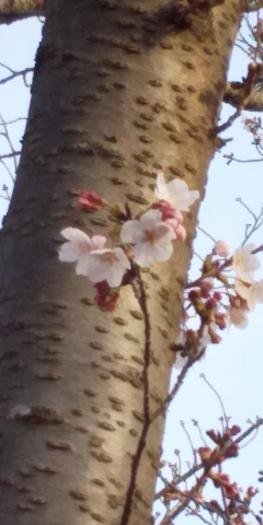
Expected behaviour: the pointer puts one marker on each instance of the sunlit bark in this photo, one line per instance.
(120, 92)
(14, 10)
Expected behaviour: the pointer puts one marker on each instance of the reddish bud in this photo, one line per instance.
(235, 429)
(215, 338)
(214, 436)
(168, 212)
(90, 201)
(217, 296)
(251, 492)
(204, 293)
(231, 451)
(211, 303)
(222, 480)
(106, 298)
(220, 320)
(194, 294)
(205, 454)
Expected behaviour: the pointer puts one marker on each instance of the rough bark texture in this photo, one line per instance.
(13, 10)
(120, 92)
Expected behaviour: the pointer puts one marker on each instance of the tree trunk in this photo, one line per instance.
(120, 92)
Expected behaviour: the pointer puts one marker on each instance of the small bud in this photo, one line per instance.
(211, 304)
(217, 296)
(235, 429)
(194, 294)
(222, 248)
(90, 201)
(106, 298)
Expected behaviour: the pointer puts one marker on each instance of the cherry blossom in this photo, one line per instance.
(238, 316)
(151, 236)
(175, 192)
(251, 292)
(78, 248)
(222, 248)
(245, 263)
(108, 265)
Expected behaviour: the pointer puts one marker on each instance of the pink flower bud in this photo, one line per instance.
(211, 303)
(221, 320)
(222, 248)
(204, 292)
(178, 229)
(106, 298)
(90, 201)
(168, 212)
(217, 296)
(194, 294)
(215, 338)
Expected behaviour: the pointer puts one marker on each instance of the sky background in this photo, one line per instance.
(234, 367)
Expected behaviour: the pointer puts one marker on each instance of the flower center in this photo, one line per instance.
(110, 257)
(151, 236)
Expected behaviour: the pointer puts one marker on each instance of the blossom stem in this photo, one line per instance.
(141, 297)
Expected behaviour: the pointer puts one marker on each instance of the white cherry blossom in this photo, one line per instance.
(222, 248)
(238, 317)
(176, 192)
(108, 265)
(251, 292)
(151, 238)
(78, 248)
(245, 263)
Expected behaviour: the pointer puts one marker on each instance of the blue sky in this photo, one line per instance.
(235, 366)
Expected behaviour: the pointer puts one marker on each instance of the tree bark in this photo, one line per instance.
(14, 10)
(120, 91)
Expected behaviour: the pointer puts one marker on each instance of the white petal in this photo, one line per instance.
(256, 294)
(98, 242)
(177, 186)
(129, 230)
(82, 267)
(97, 269)
(75, 235)
(123, 259)
(161, 190)
(151, 218)
(145, 253)
(165, 233)
(68, 252)
(115, 276)
(162, 253)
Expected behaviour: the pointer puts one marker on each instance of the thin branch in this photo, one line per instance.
(231, 158)
(218, 397)
(15, 74)
(10, 155)
(142, 300)
(229, 121)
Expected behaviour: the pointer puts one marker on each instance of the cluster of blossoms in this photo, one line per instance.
(230, 504)
(224, 294)
(254, 127)
(144, 240)
(237, 504)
